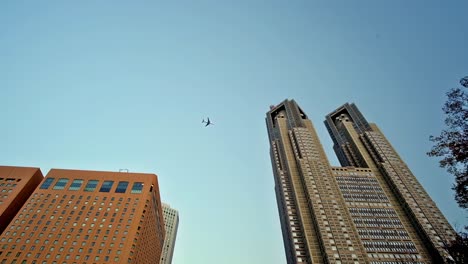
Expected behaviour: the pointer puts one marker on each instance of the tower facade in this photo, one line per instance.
(171, 223)
(87, 217)
(371, 210)
(16, 185)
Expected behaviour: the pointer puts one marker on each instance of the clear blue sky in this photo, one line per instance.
(105, 85)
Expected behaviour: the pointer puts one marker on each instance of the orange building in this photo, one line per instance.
(88, 217)
(16, 185)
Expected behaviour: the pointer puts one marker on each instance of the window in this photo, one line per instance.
(47, 183)
(106, 186)
(76, 185)
(91, 186)
(137, 187)
(122, 187)
(60, 185)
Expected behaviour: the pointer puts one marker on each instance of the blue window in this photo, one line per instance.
(60, 185)
(91, 186)
(76, 185)
(137, 187)
(122, 187)
(47, 183)
(106, 186)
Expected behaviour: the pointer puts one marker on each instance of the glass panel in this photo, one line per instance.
(137, 187)
(122, 187)
(91, 186)
(76, 185)
(47, 183)
(60, 185)
(106, 186)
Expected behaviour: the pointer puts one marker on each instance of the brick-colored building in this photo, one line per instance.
(88, 217)
(370, 210)
(16, 185)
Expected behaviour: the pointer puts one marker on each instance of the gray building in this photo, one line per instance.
(171, 223)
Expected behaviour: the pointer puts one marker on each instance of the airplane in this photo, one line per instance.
(207, 122)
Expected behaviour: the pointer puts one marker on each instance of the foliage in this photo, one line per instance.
(452, 143)
(458, 249)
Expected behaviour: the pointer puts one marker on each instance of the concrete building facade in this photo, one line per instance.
(16, 185)
(171, 224)
(88, 217)
(371, 210)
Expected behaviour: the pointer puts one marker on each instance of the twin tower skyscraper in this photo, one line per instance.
(370, 210)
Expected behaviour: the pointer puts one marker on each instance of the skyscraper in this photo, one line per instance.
(16, 185)
(171, 223)
(88, 217)
(371, 210)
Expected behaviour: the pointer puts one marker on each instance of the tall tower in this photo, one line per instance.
(88, 217)
(16, 185)
(371, 210)
(171, 223)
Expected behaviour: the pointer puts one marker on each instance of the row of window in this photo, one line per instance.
(389, 246)
(382, 222)
(7, 184)
(361, 188)
(91, 185)
(67, 257)
(365, 197)
(372, 211)
(343, 172)
(383, 233)
(355, 179)
(402, 257)
(10, 179)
